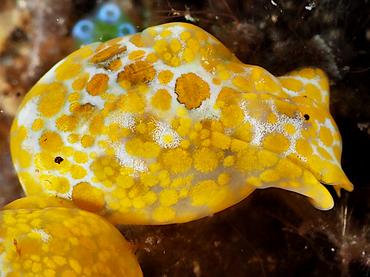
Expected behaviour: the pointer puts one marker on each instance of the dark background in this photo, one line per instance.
(272, 232)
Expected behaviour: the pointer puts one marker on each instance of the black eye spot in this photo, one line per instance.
(306, 117)
(58, 160)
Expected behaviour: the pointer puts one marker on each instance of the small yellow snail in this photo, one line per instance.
(169, 126)
(50, 237)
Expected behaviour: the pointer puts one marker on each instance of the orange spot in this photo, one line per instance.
(135, 55)
(98, 84)
(137, 40)
(191, 90)
(114, 65)
(108, 53)
(136, 73)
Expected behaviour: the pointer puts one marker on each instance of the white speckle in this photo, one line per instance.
(127, 160)
(163, 132)
(262, 128)
(273, 3)
(125, 120)
(44, 236)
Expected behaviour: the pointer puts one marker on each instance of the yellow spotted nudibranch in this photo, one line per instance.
(169, 126)
(49, 237)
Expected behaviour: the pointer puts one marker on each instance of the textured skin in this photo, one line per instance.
(60, 241)
(169, 126)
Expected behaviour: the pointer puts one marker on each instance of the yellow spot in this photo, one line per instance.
(269, 175)
(232, 116)
(137, 147)
(307, 73)
(254, 181)
(313, 92)
(52, 99)
(220, 140)
(67, 70)
(177, 160)
(66, 123)
(205, 160)
(267, 158)
(324, 153)
(161, 100)
(163, 214)
(228, 161)
(227, 96)
(132, 102)
(191, 90)
(175, 45)
(292, 84)
(87, 141)
(98, 84)
(223, 179)
(325, 136)
(277, 143)
(55, 183)
(37, 124)
(288, 169)
(80, 157)
(168, 197)
(87, 197)
(303, 148)
(188, 55)
(50, 141)
(137, 54)
(81, 81)
(165, 76)
(290, 129)
(244, 132)
(238, 145)
(73, 138)
(78, 172)
(151, 58)
(244, 84)
(203, 193)
(185, 35)
(75, 265)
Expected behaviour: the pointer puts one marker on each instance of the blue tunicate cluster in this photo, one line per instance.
(108, 22)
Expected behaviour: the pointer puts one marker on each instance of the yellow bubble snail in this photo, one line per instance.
(41, 236)
(168, 126)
